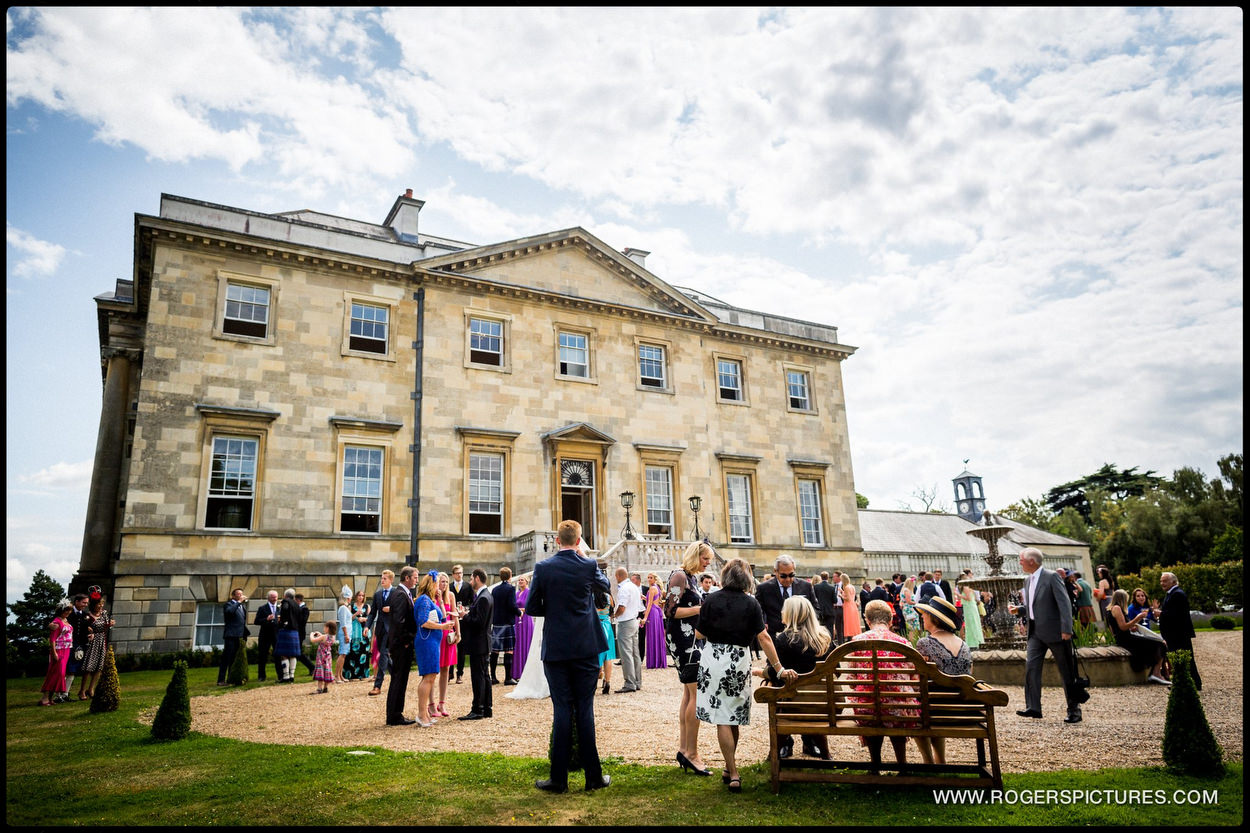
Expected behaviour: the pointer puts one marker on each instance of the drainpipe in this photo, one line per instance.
(415, 501)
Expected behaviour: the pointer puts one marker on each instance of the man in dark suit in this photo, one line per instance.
(303, 612)
(947, 591)
(772, 594)
(463, 592)
(504, 612)
(879, 593)
(1048, 610)
(1175, 626)
(928, 589)
(562, 592)
(403, 630)
(379, 625)
(235, 632)
(865, 592)
(267, 620)
(828, 596)
(475, 625)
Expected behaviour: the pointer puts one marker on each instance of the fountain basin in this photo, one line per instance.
(1106, 665)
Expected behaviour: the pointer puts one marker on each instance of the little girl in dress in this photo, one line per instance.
(323, 669)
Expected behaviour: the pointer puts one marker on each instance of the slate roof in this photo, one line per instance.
(888, 532)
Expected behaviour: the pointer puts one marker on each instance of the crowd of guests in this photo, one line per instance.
(78, 637)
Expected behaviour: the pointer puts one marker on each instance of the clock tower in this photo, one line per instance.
(969, 497)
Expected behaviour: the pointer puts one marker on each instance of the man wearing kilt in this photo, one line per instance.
(503, 627)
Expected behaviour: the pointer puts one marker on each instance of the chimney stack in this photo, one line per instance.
(637, 256)
(403, 217)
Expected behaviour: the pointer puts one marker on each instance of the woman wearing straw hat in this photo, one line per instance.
(947, 651)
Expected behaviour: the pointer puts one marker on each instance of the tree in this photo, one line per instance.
(926, 498)
(173, 718)
(236, 674)
(1108, 479)
(1032, 511)
(1189, 745)
(28, 634)
(861, 502)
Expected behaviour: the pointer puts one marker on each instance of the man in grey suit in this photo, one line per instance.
(1048, 609)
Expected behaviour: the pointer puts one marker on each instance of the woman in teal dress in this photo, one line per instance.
(604, 604)
(357, 665)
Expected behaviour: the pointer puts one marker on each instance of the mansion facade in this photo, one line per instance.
(303, 400)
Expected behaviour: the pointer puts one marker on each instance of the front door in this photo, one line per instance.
(577, 496)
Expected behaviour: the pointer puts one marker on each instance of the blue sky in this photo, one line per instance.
(1029, 221)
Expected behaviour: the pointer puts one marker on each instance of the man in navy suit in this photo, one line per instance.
(403, 630)
(475, 632)
(562, 591)
(772, 594)
(1175, 625)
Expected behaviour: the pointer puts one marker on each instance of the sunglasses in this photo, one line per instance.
(785, 575)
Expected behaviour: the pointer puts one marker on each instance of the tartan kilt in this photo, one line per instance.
(503, 638)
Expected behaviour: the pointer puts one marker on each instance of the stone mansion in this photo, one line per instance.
(303, 400)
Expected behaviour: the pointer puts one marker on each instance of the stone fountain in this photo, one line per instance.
(1000, 626)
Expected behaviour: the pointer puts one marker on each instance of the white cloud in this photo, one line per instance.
(35, 258)
(62, 476)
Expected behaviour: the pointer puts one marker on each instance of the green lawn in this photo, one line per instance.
(65, 765)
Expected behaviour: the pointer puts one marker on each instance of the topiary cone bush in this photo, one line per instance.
(108, 692)
(1189, 745)
(173, 718)
(236, 674)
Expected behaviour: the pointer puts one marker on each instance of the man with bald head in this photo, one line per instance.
(1175, 625)
(1047, 608)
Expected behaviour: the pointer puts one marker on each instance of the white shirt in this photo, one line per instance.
(1030, 589)
(628, 596)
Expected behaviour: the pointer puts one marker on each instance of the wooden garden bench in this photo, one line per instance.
(820, 703)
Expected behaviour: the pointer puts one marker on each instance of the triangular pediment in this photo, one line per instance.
(572, 263)
(578, 432)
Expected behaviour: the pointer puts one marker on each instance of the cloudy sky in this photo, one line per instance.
(1029, 221)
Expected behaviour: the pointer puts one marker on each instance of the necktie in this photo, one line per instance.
(785, 593)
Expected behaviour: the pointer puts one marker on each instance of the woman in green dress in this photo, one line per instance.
(357, 665)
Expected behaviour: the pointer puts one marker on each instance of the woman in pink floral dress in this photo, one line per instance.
(879, 615)
(62, 639)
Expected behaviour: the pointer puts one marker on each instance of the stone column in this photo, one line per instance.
(95, 562)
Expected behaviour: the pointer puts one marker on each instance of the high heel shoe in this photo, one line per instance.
(686, 763)
(442, 709)
(607, 688)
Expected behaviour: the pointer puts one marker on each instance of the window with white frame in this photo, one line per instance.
(486, 341)
(362, 489)
(798, 389)
(574, 355)
(659, 483)
(210, 625)
(232, 483)
(809, 513)
(370, 325)
(247, 310)
(486, 498)
(729, 380)
(652, 368)
(738, 490)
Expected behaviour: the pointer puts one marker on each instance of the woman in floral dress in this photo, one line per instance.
(948, 652)
(357, 665)
(879, 615)
(97, 622)
(909, 604)
(730, 619)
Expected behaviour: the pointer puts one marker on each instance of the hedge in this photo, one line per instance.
(38, 666)
(1210, 587)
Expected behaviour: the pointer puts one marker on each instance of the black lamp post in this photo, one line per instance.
(696, 503)
(627, 501)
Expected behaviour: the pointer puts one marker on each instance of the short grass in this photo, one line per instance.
(66, 766)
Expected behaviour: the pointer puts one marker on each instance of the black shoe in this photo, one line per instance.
(685, 763)
(811, 751)
(509, 681)
(488, 713)
(1072, 718)
(547, 786)
(494, 681)
(472, 716)
(624, 690)
(607, 688)
(1029, 713)
(785, 752)
(603, 782)
(403, 721)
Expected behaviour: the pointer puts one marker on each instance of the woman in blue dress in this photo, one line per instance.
(431, 623)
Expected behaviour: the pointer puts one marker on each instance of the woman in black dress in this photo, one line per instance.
(682, 604)
(1146, 648)
(802, 644)
(729, 619)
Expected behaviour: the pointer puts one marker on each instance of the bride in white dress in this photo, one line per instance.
(533, 682)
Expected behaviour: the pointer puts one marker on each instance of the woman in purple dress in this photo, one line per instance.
(657, 648)
(524, 629)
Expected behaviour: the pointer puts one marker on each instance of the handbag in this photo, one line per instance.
(981, 607)
(78, 654)
(452, 638)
